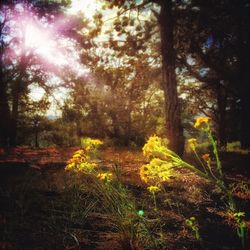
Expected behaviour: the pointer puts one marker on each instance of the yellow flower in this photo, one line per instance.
(86, 166)
(97, 142)
(153, 189)
(192, 142)
(77, 156)
(155, 147)
(69, 166)
(201, 122)
(104, 176)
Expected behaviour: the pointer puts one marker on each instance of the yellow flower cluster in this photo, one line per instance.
(152, 145)
(162, 161)
(81, 161)
(155, 147)
(201, 122)
(105, 176)
(90, 145)
(79, 165)
(74, 162)
(157, 171)
(192, 143)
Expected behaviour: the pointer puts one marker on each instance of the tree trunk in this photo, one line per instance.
(4, 107)
(4, 114)
(15, 112)
(169, 83)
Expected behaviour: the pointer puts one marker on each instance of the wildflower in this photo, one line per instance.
(97, 142)
(104, 176)
(206, 157)
(76, 156)
(69, 166)
(156, 148)
(153, 144)
(87, 167)
(157, 170)
(201, 122)
(192, 142)
(82, 159)
(90, 144)
(153, 189)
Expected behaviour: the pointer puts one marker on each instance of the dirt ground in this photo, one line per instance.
(37, 207)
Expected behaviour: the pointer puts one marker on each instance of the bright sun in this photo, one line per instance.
(59, 51)
(88, 7)
(43, 44)
(45, 41)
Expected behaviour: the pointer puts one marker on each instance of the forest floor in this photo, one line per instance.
(40, 210)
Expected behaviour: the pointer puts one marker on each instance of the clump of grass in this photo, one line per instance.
(111, 196)
(193, 224)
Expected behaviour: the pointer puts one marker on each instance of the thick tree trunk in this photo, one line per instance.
(14, 115)
(4, 115)
(169, 83)
(4, 107)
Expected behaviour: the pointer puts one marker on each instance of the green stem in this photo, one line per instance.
(215, 150)
(194, 169)
(211, 172)
(199, 159)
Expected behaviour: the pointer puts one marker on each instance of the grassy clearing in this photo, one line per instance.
(53, 209)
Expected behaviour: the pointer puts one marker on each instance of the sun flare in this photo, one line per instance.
(42, 43)
(59, 51)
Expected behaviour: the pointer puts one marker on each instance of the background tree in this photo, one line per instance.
(165, 20)
(22, 63)
(214, 55)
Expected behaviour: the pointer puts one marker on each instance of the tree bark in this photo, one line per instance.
(4, 107)
(169, 83)
(14, 114)
(4, 113)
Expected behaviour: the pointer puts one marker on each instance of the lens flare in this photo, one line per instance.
(51, 49)
(40, 41)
